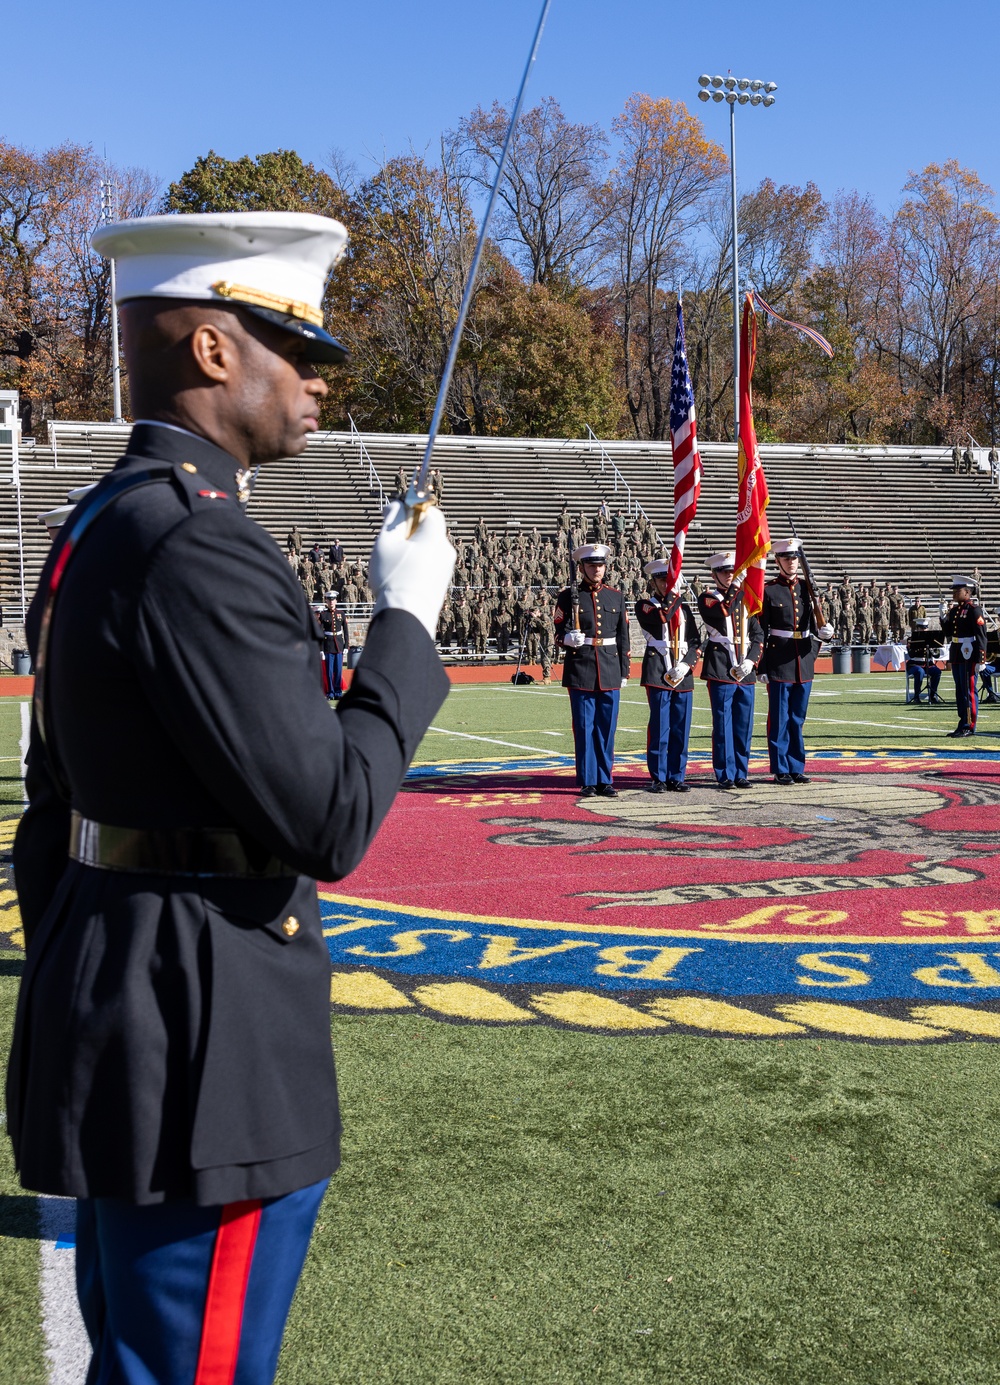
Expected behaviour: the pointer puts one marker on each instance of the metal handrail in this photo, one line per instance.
(374, 480)
(633, 506)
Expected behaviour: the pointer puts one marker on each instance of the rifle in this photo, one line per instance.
(574, 593)
(815, 602)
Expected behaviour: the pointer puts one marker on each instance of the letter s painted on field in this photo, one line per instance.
(847, 976)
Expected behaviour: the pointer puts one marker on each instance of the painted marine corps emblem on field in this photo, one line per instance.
(834, 821)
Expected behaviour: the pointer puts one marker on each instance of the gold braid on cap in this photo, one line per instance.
(260, 298)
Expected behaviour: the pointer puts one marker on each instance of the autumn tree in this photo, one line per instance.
(274, 182)
(552, 202)
(665, 167)
(54, 290)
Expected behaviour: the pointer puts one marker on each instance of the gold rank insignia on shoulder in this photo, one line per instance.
(188, 466)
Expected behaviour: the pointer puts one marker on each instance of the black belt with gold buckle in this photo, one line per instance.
(191, 851)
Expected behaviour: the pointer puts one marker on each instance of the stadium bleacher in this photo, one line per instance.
(897, 514)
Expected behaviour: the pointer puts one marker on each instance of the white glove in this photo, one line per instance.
(624, 682)
(679, 673)
(411, 574)
(741, 670)
(825, 632)
(574, 639)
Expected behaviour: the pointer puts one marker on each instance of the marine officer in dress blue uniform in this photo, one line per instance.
(791, 642)
(673, 645)
(188, 783)
(964, 625)
(731, 678)
(594, 633)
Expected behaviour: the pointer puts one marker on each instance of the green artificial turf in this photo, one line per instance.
(852, 711)
(540, 1205)
(21, 1344)
(533, 1205)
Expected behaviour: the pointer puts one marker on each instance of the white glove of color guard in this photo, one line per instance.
(624, 682)
(825, 632)
(742, 670)
(680, 672)
(574, 639)
(412, 574)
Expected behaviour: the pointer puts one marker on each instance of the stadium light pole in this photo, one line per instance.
(108, 191)
(736, 91)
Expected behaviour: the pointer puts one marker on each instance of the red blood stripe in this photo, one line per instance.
(227, 1288)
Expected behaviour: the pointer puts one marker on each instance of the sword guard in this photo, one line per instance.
(417, 502)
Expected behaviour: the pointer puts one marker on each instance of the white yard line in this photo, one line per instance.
(511, 745)
(67, 1346)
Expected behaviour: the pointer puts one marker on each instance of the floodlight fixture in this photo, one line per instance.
(736, 91)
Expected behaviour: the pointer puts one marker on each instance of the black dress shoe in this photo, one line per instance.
(938, 700)
(607, 791)
(587, 791)
(959, 731)
(657, 786)
(677, 786)
(725, 783)
(783, 779)
(742, 784)
(800, 779)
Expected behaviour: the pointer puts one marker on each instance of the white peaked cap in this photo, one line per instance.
(600, 552)
(274, 264)
(789, 546)
(959, 581)
(720, 560)
(657, 566)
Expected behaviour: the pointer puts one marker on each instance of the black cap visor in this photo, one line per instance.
(321, 348)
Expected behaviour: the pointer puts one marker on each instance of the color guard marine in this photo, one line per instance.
(963, 624)
(592, 627)
(791, 642)
(730, 676)
(673, 645)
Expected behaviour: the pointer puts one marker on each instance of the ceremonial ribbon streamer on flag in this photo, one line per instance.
(753, 536)
(684, 446)
(809, 332)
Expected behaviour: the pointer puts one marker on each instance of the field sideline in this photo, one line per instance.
(543, 1205)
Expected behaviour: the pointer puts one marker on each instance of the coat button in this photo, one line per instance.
(187, 466)
(290, 926)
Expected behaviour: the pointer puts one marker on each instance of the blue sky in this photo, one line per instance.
(867, 88)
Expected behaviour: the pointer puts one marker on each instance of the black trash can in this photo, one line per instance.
(22, 662)
(861, 659)
(842, 659)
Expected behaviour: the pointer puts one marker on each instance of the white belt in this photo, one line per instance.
(716, 638)
(787, 634)
(590, 640)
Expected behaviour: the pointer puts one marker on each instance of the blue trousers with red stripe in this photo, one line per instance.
(732, 728)
(595, 717)
(966, 698)
(176, 1294)
(786, 714)
(667, 734)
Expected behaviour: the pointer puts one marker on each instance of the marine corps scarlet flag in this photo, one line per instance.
(753, 537)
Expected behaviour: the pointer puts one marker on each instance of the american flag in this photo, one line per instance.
(687, 462)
